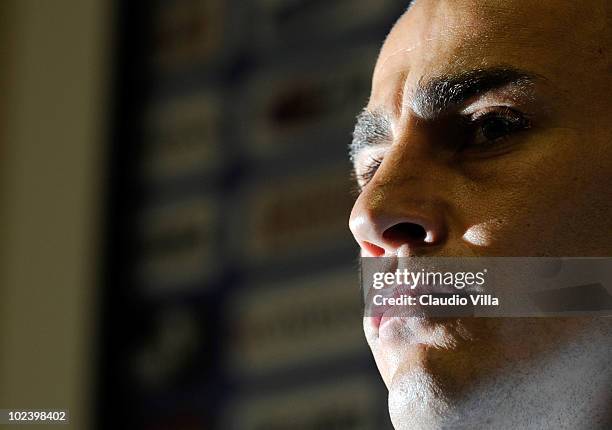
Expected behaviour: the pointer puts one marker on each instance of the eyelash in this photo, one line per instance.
(369, 170)
(514, 121)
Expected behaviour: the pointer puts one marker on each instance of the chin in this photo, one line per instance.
(443, 348)
(418, 401)
(497, 373)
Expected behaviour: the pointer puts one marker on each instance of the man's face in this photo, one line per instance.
(487, 133)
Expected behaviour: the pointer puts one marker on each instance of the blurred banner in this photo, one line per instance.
(231, 294)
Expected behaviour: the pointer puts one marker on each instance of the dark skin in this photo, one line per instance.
(520, 166)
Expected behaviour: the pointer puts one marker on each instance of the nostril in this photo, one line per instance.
(405, 232)
(372, 249)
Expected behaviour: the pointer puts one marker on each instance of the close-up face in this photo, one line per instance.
(487, 134)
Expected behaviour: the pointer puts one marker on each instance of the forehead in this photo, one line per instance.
(435, 37)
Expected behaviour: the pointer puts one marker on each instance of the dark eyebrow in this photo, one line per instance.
(372, 128)
(439, 95)
(444, 93)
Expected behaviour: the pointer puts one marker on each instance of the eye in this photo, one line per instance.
(367, 172)
(494, 126)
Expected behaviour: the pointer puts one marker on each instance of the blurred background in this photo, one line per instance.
(174, 198)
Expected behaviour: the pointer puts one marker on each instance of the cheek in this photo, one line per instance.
(553, 201)
(483, 234)
(500, 219)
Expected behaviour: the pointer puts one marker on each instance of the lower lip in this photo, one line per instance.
(376, 321)
(379, 321)
(388, 315)
(385, 325)
(385, 320)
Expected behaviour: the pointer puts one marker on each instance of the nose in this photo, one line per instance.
(388, 223)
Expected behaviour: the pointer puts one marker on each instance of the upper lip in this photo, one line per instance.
(377, 312)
